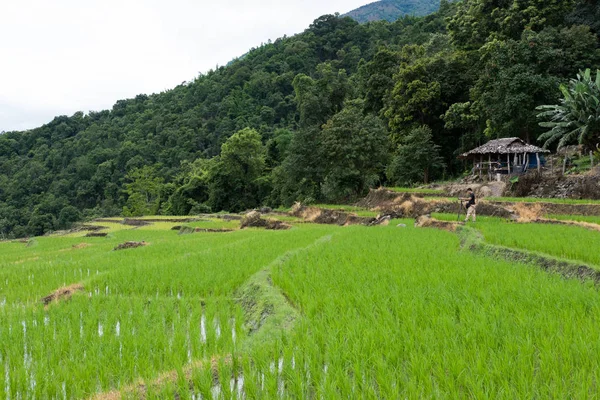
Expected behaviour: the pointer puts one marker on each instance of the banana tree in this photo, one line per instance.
(576, 120)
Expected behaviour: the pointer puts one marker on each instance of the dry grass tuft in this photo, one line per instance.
(63, 293)
(528, 212)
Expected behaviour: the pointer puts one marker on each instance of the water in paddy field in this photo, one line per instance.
(203, 328)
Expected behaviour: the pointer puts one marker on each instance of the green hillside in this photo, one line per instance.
(318, 117)
(391, 10)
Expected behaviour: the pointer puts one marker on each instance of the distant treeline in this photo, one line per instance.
(320, 116)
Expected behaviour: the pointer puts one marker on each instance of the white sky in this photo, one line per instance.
(62, 56)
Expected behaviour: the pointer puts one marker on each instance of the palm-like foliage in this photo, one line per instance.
(577, 118)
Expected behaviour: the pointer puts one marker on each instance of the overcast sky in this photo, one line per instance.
(59, 57)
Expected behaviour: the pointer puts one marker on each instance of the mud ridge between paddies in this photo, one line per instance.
(473, 240)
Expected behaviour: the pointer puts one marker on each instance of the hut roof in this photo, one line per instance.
(505, 146)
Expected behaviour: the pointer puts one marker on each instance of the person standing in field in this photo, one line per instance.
(471, 206)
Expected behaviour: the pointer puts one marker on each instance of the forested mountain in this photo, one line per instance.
(391, 10)
(320, 116)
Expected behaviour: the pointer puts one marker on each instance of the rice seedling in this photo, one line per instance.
(567, 242)
(214, 223)
(580, 218)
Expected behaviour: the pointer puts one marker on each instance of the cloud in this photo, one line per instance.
(65, 56)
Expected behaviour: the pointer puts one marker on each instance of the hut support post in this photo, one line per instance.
(480, 165)
(508, 155)
(537, 159)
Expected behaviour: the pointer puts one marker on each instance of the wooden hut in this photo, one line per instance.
(504, 156)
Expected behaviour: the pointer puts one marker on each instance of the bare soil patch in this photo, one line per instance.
(254, 220)
(135, 222)
(426, 221)
(97, 234)
(130, 245)
(330, 217)
(63, 293)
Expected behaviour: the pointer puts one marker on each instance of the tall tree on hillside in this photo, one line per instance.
(300, 175)
(417, 159)
(477, 21)
(377, 78)
(433, 77)
(234, 179)
(143, 189)
(577, 118)
(519, 75)
(318, 99)
(355, 150)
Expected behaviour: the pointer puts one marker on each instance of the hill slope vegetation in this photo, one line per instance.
(320, 116)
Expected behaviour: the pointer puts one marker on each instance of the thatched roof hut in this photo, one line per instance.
(503, 146)
(508, 155)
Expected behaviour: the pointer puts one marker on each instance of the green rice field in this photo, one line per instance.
(317, 311)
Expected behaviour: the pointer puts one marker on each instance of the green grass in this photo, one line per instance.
(214, 223)
(169, 217)
(455, 217)
(339, 207)
(416, 190)
(580, 218)
(539, 200)
(311, 312)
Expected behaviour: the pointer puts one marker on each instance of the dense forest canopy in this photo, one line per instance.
(320, 116)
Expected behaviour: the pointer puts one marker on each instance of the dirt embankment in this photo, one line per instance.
(334, 217)
(410, 206)
(405, 205)
(254, 219)
(425, 221)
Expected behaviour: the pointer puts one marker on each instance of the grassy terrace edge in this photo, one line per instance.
(473, 240)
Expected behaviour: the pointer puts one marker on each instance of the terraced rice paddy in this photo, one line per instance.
(317, 311)
(567, 242)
